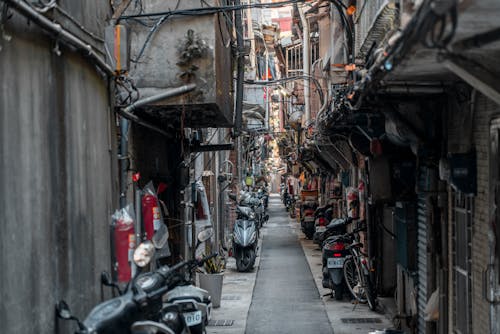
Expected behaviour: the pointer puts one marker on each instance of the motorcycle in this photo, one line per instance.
(334, 253)
(264, 199)
(245, 238)
(337, 226)
(245, 232)
(307, 218)
(322, 216)
(140, 309)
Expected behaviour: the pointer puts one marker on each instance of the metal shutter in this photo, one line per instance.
(423, 186)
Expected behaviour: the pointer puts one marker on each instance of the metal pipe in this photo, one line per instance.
(162, 96)
(127, 115)
(124, 124)
(307, 63)
(240, 70)
(127, 112)
(86, 49)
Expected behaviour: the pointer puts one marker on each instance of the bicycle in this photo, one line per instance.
(357, 273)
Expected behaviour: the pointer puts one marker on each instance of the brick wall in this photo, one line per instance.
(484, 111)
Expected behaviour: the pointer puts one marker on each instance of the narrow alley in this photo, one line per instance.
(283, 294)
(250, 166)
(285, 299)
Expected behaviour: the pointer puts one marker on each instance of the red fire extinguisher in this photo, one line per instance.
(124, 243)
(151, 216)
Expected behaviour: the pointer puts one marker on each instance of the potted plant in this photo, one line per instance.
(212, 277)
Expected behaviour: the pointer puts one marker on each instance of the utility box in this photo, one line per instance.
(187, 48)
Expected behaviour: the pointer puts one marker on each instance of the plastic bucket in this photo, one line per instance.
(213, 284)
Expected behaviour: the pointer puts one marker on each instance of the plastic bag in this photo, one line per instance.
(431, 310)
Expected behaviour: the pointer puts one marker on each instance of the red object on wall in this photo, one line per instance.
(124, 235)
(150, 214)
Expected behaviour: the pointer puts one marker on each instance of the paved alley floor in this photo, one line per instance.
(283, 294)
(285, 298)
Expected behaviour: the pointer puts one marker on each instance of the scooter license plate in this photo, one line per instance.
(335, 262)
(193, 318)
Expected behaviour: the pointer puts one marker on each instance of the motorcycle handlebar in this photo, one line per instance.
(166, 273)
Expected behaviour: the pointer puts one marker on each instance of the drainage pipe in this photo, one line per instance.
(240, 70)
(307, 63)
(61, 33)
(127, 115)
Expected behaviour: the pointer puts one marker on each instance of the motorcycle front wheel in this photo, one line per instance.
(246, 261)
(198, 329)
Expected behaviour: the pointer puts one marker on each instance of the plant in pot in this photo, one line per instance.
(212, 277)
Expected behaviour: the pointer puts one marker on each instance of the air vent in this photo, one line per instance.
(361, 320)
(220, 323)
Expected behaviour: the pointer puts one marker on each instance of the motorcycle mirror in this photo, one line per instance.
(63, 311)
(144, 253)
(106, 279)
(205, 234)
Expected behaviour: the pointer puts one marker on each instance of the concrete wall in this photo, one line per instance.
(210, 105)
(56, 182)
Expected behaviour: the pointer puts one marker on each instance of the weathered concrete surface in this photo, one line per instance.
(211, 104)
(236, 298)
(285, 299)
(56, 182)
(344, 309)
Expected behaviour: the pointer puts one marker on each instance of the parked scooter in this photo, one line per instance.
(322, 217)
(334, 255)
(185, 294)
(307, 218)
(140, 308)
(337, 226)
(245, 238)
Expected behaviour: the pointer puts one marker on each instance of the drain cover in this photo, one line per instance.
(361, 320)
(238, 279)
(221, 323)
(231, 297)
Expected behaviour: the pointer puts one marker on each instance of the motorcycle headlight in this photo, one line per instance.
(251, 215)
(144, 253)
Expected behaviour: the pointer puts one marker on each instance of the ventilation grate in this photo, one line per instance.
(361, 320)
(231, 297)
(221, 323)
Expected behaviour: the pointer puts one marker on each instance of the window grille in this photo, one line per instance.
(462, 213)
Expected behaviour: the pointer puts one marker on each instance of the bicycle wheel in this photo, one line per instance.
(353, 280)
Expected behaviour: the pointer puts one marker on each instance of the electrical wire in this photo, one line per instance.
(319, 90)
(211, 10)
